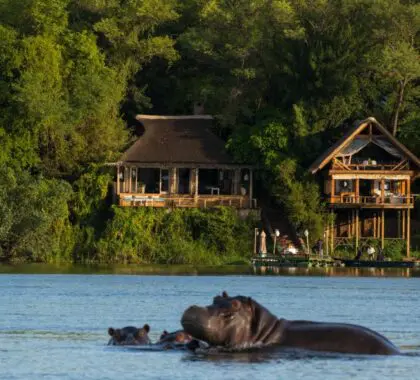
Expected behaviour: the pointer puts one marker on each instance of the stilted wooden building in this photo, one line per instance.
(367, 179)
(179, 162)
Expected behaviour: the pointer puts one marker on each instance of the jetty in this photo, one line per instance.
(299, 260)
(316, 261)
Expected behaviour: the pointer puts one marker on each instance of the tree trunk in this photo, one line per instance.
(398, 105)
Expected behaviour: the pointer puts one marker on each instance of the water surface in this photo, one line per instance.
(54, 326)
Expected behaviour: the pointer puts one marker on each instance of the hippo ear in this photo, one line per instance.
(111, 331)
(146, 327)
(224, 294)
(236, 305)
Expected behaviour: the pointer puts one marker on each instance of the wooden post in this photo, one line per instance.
(126, 179)
(357, 229)
(196, 183)
(130, 188)
(118, 180)
(383, 229)
(357, 190)
(399, 224)
(172, 181)
(403, 219)
(349, 225)
(374, 225)
(191, 186)
(382, 190)
(408, 232)
(236, 181)
(136, 187)
(250, 187)
(408, 191)
(332, 190)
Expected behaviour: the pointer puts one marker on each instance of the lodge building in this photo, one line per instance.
(177, 161)
(367, 177)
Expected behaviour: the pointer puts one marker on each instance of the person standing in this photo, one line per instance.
(319, 247)
(370, 252)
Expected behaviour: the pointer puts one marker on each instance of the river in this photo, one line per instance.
(54, 326)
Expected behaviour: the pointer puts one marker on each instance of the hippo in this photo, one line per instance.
(129, 335)
(240, 322)
(179, 340)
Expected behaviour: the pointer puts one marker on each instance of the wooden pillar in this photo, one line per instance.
(403, 219)
(172, 181)
(196, 183)
(357, 229)
(130, 176)
(250, 187)
(192, 182)
(332, 190)
(136, 187)
(383, 229)
(349, 221)
(126, 179)
(357, 190)
(399, 224)
(374, 225)
(118, 180)
(236, 181)
(408, 232)
(382, 190)
(408, 191)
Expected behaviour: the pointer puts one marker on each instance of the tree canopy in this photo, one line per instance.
(282, 78)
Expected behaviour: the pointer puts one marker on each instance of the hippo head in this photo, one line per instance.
(129, 335)
(228, 321)
(177, 337)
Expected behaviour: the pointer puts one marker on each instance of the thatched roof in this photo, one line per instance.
(331, 152)
(178, 140)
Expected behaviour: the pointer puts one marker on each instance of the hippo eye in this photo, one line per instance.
(228, 315)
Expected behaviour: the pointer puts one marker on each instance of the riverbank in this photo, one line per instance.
(204, 270)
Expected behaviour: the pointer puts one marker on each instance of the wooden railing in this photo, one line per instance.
(201, 201)
(372, 200)
(402, 165)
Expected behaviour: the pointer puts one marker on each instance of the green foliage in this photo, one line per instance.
(281, 76)
(395, 249)
(175, 236)
(34, 218)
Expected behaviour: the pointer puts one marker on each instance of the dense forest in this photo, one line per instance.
(282, 78)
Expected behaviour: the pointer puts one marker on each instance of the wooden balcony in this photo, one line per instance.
(350, 200)
(179, 200)
(372, 165)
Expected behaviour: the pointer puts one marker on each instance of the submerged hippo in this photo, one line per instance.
(129, 335)
(240, 322)
(174, 340)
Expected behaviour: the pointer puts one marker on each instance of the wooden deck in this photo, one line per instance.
(175, 201)
(300, 260)
(350, 200)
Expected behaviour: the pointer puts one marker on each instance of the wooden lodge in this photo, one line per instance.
(367, 179)
(177, 161)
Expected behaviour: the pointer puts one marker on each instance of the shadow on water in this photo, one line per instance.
(150, 269)
(274, 355)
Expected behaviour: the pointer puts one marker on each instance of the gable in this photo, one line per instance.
(358, 138)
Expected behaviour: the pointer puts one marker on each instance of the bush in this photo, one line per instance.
(180, 236)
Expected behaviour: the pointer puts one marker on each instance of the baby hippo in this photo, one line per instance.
(175, 340)
(129, 335)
